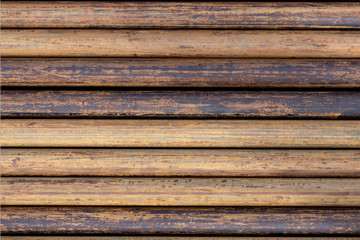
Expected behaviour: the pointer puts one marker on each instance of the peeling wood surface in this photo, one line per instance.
(221, 221)
(249, 73)
(180, 43)
(180, 162)
(181, 133)
(175, 104)
(259, 15)
(180, 191)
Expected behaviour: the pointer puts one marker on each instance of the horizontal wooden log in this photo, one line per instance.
(98, 14)
(180, 133)
(180, 191)
(169, 238)
(180, 72)
(175, 104)
(180, 43)
(220, 221)
(180, 162)
(248, 73)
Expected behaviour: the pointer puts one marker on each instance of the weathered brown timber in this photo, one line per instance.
(126, 237)
(180, 133)
(180, 43)
(174, 104)
(221, 221)
(180, 191)
(249, 73)
(180, 162)
(99, 14)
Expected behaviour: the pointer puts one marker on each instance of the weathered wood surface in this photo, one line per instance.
(99, 14)
(175, 104)
(180, 133)
(180, 191)
(221, 221)
(180, 162)
(249, 73)
(180, 43)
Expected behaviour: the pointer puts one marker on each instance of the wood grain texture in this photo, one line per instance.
(98, 14)
(180, 162)
(221, 221)
(248, 73)
(180, 43)
(169, 238)
(180, 133)
(180, 104)
(180, 191)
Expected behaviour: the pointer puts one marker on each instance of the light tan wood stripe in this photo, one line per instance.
(180, 43)
(180, 162)
(180, 133)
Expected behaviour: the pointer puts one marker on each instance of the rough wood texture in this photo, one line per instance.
(180, 162)
(99, 14)
(180, 133)
(158, 237)
(180, 43)
(180, 191)
(221, 221)
(175, 104)
(249, 73)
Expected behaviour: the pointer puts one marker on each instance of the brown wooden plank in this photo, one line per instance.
(99, 14)
(180, 162)
(180, 133)
(221, 221)
(180, 191)
(180, 43)
(249, 73)
(175, 104)
(126, 237)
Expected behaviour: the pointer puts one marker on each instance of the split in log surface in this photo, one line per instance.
(181, 133)
(177, 104)
(180, 191)
(247, 73)
(180, 43)
(180, 162)
(215, 220)
(242, 15)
